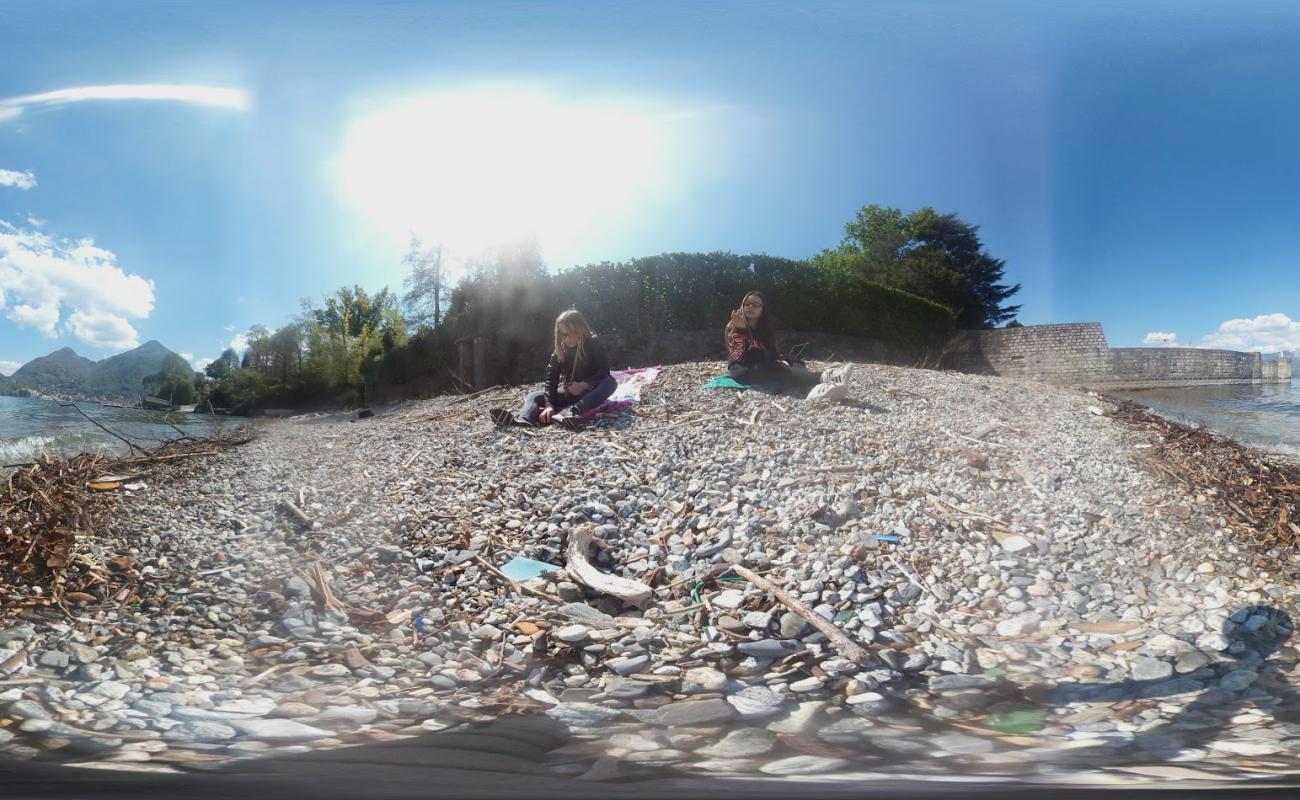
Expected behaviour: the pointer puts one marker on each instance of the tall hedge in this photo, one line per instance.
(681, 291)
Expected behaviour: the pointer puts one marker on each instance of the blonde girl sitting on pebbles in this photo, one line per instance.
(577, 379)
(752, 357)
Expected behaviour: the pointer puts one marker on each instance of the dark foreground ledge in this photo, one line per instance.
(446, 767)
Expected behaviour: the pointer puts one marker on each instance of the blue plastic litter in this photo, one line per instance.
(886, 537)
(523, 569)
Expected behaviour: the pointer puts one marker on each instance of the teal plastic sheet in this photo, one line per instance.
(524, 569)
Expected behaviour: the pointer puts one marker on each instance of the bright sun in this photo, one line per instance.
(476, 168)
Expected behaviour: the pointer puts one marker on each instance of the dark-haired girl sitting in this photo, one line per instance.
(753, 359)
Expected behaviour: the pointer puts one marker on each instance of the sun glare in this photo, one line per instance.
(474, 169)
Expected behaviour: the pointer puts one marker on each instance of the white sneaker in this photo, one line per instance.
(828, 393)
(838, 375)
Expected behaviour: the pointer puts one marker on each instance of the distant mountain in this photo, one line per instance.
(120, 375)
(64, 373)
(61, 372)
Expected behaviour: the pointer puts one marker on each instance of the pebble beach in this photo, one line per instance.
(1034, 600)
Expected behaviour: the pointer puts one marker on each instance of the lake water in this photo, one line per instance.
(1264, 416)
(29, 427)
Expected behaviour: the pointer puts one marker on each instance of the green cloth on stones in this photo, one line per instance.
(728, 382)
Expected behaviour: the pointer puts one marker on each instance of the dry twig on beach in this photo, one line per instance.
(1256, 490)
(47, 509)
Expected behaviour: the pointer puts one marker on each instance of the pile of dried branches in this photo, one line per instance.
(1263, 494)
(51, 515)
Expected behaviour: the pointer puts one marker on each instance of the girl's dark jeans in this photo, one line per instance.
(775, 375)
(588, 400)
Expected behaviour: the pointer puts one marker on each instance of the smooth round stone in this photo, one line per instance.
(742, 743)
(961, 744)
(792, 625)
(292, 709)
(634, 741)
(573, 634)
(330, 671)
(770, 648)
(1247, 747)
(1238, 679)
(655, 756)
(1146, 668)
(358, 715)
(707, 679)
(728, 598)
(200, 731)
(804, 765)
(754, 702)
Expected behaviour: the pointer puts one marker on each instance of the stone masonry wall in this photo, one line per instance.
(1076, 354)
(1160, 365)
(1072, 354)
(1277, 370)
(1063, 354)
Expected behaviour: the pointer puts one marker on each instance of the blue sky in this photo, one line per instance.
(1134, 163)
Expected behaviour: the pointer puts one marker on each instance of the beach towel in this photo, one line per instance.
(728, 382)
(628, 393)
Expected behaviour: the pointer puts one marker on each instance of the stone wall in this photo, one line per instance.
(1073, 354)
(1077, 354)
(1159, 366)
(1278, 370)
(1064, 354)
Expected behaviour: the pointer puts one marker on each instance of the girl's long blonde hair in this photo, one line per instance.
(573, 318)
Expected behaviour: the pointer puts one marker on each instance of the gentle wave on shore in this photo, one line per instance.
(1262, 416)
(31, 427)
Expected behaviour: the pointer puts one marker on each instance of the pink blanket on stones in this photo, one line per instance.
(628, 393)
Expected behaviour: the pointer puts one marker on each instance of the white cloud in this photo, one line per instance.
(197, 363)
(1267, 333)
(240, 343)
(13, 107)
(35, 222)
(1158, 339)
(19, 180)
(43, 280)
(9, 367)
(103, 330)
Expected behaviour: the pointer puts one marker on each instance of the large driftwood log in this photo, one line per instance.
(846, 646)
(634, 593)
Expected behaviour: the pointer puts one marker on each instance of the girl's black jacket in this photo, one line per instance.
(590, 370)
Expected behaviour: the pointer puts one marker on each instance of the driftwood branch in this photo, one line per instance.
(634, 593)
(846, 646)
(134, 446)
(302, 517)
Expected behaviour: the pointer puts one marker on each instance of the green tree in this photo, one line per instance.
(933, 255)
(425, 285)
(348, 332)
(174, 381)
(224, 364)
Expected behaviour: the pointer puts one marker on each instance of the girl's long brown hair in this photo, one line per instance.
(763, 330)
(574, 319)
